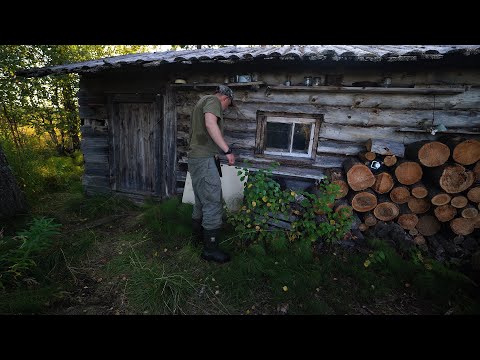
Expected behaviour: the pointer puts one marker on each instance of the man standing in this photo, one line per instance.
(206, 141)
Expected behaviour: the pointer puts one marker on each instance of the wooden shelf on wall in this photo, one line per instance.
(372, 90)
(416, 130)
(213, 85)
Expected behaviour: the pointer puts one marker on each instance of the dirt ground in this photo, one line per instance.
(94, 295)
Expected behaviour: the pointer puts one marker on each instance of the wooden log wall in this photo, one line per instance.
(95, 90)
(350, 119)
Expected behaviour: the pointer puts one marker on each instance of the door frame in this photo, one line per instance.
(158, 101)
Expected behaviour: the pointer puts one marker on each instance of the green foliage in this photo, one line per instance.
(151, 287)
(98, 205)
(430, 278)
(46, 104)
(266, 205)
(170, 219)
(18, 254)
(31, 301)
(39, 170)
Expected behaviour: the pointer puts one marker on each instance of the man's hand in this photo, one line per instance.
(231, 159)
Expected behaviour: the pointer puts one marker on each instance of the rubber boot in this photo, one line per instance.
(197, 230)
(211, 252)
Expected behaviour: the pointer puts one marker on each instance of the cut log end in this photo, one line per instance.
(462, 226)
(441, 199)
(386, 211)
(360, 177)
(469, 212)
(445, 213)
(433, 154)
(467, 152)
(459, 201)
(400, 194)
(474, 194)
(408, 173)
(364, 201)
(383, 183)
(418, 206)
(408, 221)
(419, 192)
(428, 225)
(456, 179)
(390, 160)
(419, 240)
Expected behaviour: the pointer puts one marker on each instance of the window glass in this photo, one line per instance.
(278, 136)
(301, 138)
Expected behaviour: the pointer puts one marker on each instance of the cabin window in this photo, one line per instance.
(294, 135)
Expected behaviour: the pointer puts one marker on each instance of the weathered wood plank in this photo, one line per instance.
(465, 101)
(370, 116)
(367, 90)
(93, 180)
(96, 169)
(92, 190)
(95, 157)
(362, 134)
(95, 142)
(339, 147)
(169, 139)
(98, 131)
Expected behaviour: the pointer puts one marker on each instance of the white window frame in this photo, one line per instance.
(292, 121)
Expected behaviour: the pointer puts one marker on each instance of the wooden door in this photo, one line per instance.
(135, 140)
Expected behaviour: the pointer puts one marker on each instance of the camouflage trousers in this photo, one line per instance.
(207, 188)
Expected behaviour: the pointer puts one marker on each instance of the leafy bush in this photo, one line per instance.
(278, 217)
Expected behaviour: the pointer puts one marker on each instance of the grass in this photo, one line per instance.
(154, 267)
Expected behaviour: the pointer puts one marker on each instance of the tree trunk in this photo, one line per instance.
(386, 211)
(12, 199)
(363, 201)
(428, 153)
(390, 160)
(400, 194)
(383, 183)
(469, 212)
(453, 178)
(459, 201)
(407, 219)
(419, 190)
(359, 177)
(367, 156)
(445, 213)
(418, 206)
(408, 172)
(438, 197)
(465, 152)
(428, 225)
(462, 226)
(474, 194)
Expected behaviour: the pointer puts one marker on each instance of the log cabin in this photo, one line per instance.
(307, 107)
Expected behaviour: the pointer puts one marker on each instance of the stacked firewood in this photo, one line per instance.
(430, 188)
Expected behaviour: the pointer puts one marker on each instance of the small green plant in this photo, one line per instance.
(18, 254)
(275, 217)
(375, 257)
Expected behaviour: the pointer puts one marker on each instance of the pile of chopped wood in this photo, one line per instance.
(431, 189)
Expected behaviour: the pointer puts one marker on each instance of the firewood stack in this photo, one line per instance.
(431, 189)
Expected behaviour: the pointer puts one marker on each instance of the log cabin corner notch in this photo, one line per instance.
(121, 113)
